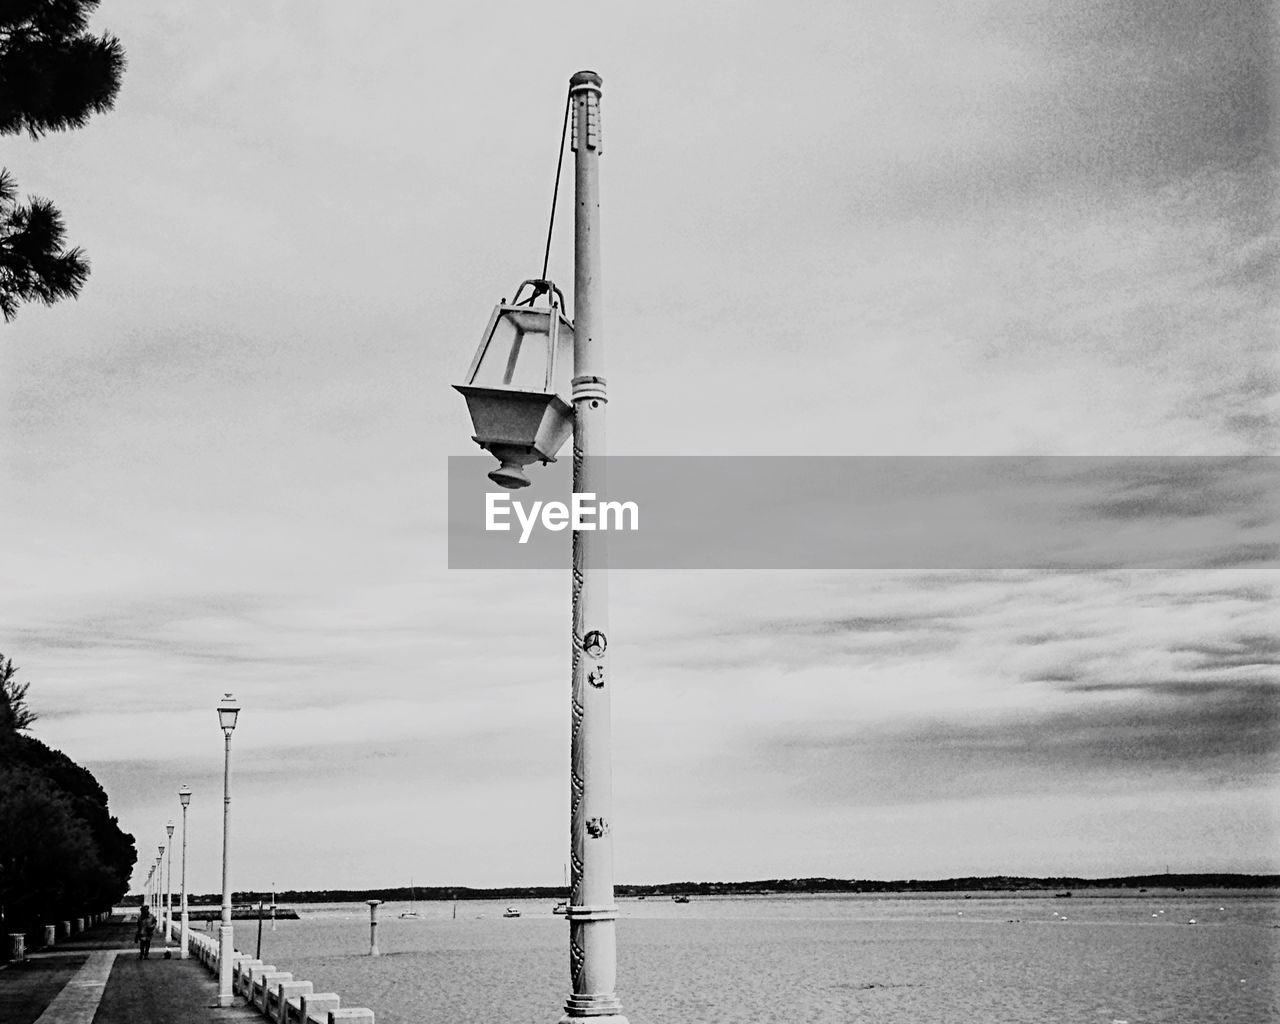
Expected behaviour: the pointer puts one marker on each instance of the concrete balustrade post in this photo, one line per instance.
(251, 977)
(17, 946)
(50, 935)
(242, 965)
(64, 929)
(261, 992)
(286, 991)
(317, 1006)
(352, 1015)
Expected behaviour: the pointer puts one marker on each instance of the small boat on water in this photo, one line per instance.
(679, 899)
(411, 913)
(511, 912)
(560, 908)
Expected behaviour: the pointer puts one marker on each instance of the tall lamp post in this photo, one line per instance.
(168, 887)
(228, 710)
(593, 958)
(160, 884)
(184, 794)
(500, 408)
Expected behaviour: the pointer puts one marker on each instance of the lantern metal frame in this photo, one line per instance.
(228, 712)
(557, 320)
(517, 424)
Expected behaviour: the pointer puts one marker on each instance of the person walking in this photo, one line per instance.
(146, 928)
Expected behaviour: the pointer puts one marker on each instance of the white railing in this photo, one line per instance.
(277, 995)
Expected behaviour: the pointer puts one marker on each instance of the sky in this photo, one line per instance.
(872, 228)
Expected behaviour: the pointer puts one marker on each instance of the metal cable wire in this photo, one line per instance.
(555, 193)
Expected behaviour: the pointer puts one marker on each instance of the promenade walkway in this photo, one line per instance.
(97, 978)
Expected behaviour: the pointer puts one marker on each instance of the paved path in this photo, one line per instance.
(98, 978)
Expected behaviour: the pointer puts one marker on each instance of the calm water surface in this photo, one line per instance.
(937, 960)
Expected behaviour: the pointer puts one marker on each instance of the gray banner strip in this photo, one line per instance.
(1067, 513)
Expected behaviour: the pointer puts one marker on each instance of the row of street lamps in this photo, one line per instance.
(537, 379)
(158, 888)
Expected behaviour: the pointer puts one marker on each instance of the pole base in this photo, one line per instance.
(598, 1007)
(226, 980)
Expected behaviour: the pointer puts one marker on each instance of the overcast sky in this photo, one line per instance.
(829, 229)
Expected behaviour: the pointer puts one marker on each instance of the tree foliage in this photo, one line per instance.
(54, 75)
(14, 713)
(62, 854)
(33, 263)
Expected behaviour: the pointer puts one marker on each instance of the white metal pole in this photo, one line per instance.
(184, 938)
(225, 931)
(593, 959)
(168, 893)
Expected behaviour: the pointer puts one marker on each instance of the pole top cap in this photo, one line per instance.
(586, 78)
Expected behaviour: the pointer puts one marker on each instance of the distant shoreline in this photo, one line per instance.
(1130, 884)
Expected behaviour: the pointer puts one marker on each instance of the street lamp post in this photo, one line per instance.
(184, 794)
(160, 884)
(592, 914)
(520, 422)
(168, 887)
(228, 710)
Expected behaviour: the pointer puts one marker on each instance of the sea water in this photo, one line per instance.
(1156, 958)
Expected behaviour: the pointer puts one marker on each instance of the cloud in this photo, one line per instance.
(878, 229)
(1191, 736)
(1249, 650)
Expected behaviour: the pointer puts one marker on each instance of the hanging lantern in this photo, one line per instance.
(518, 387)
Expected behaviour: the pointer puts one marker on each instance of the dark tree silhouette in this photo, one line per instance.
(14, 712)
(33, 263)
(54, 75)
(62, 853)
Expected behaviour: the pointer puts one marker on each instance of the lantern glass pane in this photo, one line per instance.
(517, 353)
(227, 712)
(562, 376)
